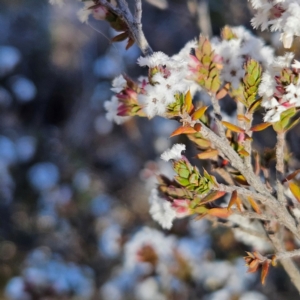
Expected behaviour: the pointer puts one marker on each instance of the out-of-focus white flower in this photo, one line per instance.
(161, 245)
(248, 239)
(282, 16)
(148, 289)
(112, 111)
(110, 241)
(161, 210)
(173, 153)
(119, 83)
(253, 295)
(84, 12)
(233, 53)
(296, 64)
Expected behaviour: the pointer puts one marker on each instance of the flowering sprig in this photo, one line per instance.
(241, 67)
(280, 90)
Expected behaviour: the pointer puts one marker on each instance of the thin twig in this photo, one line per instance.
(242, 191)
(235, 226)
(203, 16)
(280, 166)
(283, 215)
(218, 117)
(247, 143)
(138, 11)
(287, 254)
(253, 215)
(134, 26)
(287, 262)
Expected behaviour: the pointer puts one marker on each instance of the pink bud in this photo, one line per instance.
(99, 13)
(241, 137)
(181, 206)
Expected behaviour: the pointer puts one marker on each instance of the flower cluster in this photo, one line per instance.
(236, 46)
(278, 15)
(280, 87)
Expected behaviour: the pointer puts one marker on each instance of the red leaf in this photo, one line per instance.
(183, 130)
(209, 154)
(199, 113)
(221, 212)
(223, 92)
(235, 200)
(254, 205)
(212, 197)
(291, 176)
(260, 127)
(188, 102)
(264, 271)
(295, 189)
(232, 127)
(130, 43)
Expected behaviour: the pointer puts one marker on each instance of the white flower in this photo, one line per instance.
(84, 12)
(296, 64)
(112, 111)
(161, 210)
(293, 94)
(119, 83)
(282, 16)
(273, 115)
(173, 153)
(163, 246)
(154, 60)
(248, 239)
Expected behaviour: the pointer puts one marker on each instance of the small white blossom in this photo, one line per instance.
(256, 242)
(173, 153)
(161, 210)
(119, 83)
(296, 64)
(232, 54)
(154, 60)
(162, 245)
(273, 115)
(112, 111)
(84, 12)
(57, 2)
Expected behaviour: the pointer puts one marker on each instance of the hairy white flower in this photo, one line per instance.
(161, 210)
(112, 111)
(119, 83)
(232, 53)
(84, 12)
(277, 97)
(256, 242)
(282, 16)
(163, 247)
(296, 64)
(154, 60)
(273, 114)
(173, 153)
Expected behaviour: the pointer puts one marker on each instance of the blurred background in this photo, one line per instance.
(74, 187)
